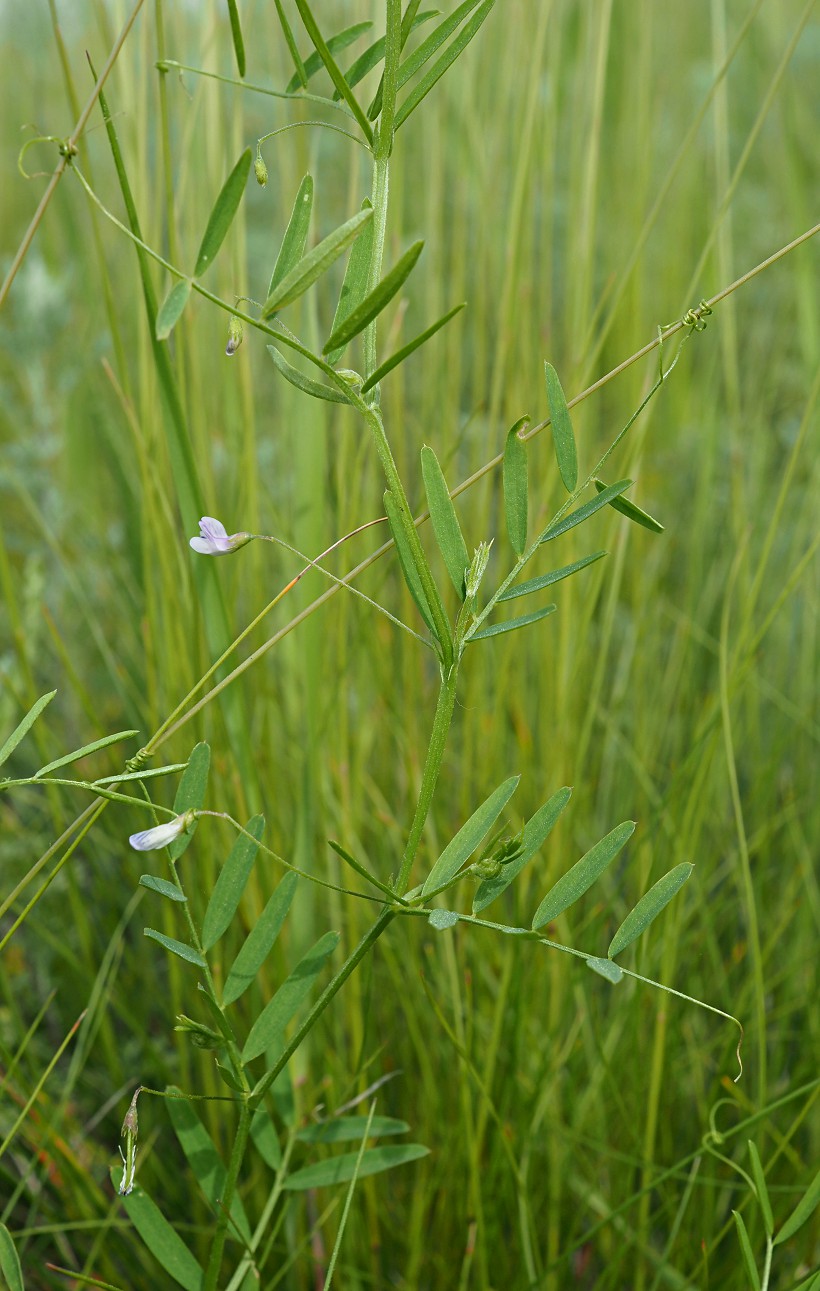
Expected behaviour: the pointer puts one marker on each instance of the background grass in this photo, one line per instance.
(586, 172)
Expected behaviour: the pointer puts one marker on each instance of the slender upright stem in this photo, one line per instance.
(238, 1150)
(432, 766)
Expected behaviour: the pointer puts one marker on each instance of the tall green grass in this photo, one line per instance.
(586, 172)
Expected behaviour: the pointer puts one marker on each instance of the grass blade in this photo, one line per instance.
(301, 74)
(341, 1169)
(804, 1208)
(296, 378)
(446, 528)
(649, 907)
(515, 487)
(563, 436)
(171, 309)
(94, 747)
(406, 350)
(746, 1252)
(583, 874)
(296, 234)
(546, 580)
(335, 44)
(163, 888)
(461, 848)
(225, 208)
(164, 1243)
(354, 286)
(630, 510)
(373, 304)
(511, 625)
(180, 948)
(230, 883)
(335, 73)
(454, 49)
(536, 832)
(260, 940)
(760, 1186)
(270, 1025)
(22, 729)
(588, 509)
(236, 35)
(315, 263)
(191, 794)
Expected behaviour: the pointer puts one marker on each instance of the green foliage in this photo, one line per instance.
(583, 874)
(222, 216)
(563, 436)
(310, 267)
(445, 521)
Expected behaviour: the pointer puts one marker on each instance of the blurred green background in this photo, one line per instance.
(587, 171)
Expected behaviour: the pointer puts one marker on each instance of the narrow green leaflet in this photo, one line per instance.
(536, 832)
(761, 1189)
(360, 869)
(563, 436)
(405, 555)
(649, 907)
(203, 1158)
(510, 625)
(222, 215)
(804, 1208)
(94, 747)
(344, 1129)
(170, 311)
(374, 54)
(400, 355)
(373, 304)
(451, 53)
(605, 968)
(146, 773)
(546, 580)
(10, 1261)
(747, 1252)
(265, 1138)
(230, 884)
(415, 61)
(461, 848)
(315, 263)
(180, 948)
(630, 510)
(236, 36)
(354, 286)
(584, 512)
(20, 731)
(441, 920)
(163, 888)
(515, 487)
(260, 941)
(583, 874)
(270, 1025)
(335, 44)
(341, 1169)
(296, 234)
(304, 383)
(336, 76)
(166, 1246)
(191, 794)
(445, 521)
(301, 74)
(407, 23)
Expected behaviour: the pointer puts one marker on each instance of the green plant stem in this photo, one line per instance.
(432, 766)
(378, 197)
(238, 1150)
(383, 145)
(333, 987)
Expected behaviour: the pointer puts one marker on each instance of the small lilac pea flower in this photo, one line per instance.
(214, 540)
(150, 840)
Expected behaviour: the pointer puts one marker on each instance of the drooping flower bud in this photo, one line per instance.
(236, 330)
(129, 1131)
(150, 840)
(260, 170)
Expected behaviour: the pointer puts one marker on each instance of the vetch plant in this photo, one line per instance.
(250, 1048)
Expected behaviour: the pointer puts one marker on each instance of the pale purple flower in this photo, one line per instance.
(150, 840)
(214, 540)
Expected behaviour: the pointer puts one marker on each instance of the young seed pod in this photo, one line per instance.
(260, 170)
(236, 330)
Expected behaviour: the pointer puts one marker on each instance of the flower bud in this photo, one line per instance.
(477, 569)
(236, 330)
(260, 170)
